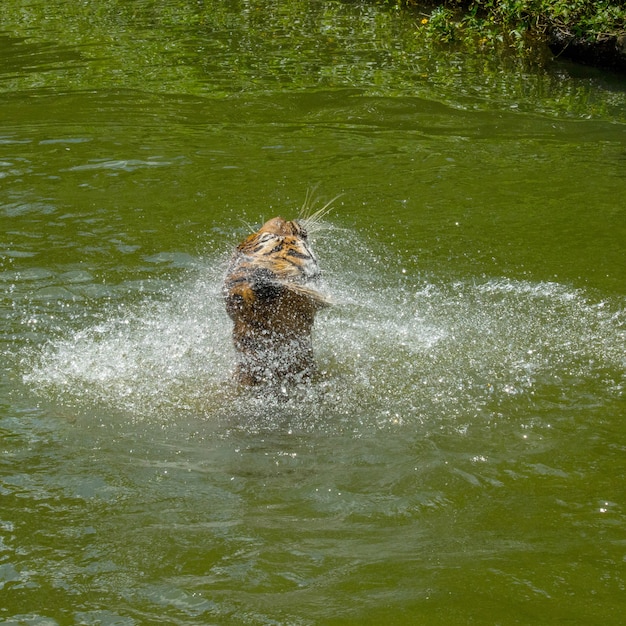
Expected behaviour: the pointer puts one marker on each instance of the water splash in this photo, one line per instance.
(390, 352)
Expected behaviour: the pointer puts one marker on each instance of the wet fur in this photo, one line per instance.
(270, 295)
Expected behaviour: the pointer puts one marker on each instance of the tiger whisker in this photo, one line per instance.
(312, 220)
(247, 225)
(305, 209)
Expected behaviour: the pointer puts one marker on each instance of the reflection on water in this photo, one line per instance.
(219, 49)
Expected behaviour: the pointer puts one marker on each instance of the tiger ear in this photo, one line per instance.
(275, 226)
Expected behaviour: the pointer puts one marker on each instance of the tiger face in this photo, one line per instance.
(270, 295)
(281, 248)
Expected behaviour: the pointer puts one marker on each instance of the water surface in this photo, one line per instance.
(460, 458)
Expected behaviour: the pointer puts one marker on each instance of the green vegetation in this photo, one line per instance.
(592, 31)
(217, 49)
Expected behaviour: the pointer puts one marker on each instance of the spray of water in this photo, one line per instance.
(392, 350)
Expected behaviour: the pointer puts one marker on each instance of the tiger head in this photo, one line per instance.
(282, 248)
(271, 295)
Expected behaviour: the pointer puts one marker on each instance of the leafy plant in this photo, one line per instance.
(521, 24)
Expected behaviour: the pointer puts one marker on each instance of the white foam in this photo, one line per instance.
(410, 352)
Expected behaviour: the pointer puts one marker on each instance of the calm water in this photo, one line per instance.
(461, 458)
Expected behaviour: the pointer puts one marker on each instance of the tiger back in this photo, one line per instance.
(271, 296)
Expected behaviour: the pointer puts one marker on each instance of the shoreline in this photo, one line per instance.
(592, 34)
(607, 52)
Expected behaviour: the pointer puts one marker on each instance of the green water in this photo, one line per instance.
(461, 457)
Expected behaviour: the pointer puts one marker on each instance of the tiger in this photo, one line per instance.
(271, 292)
